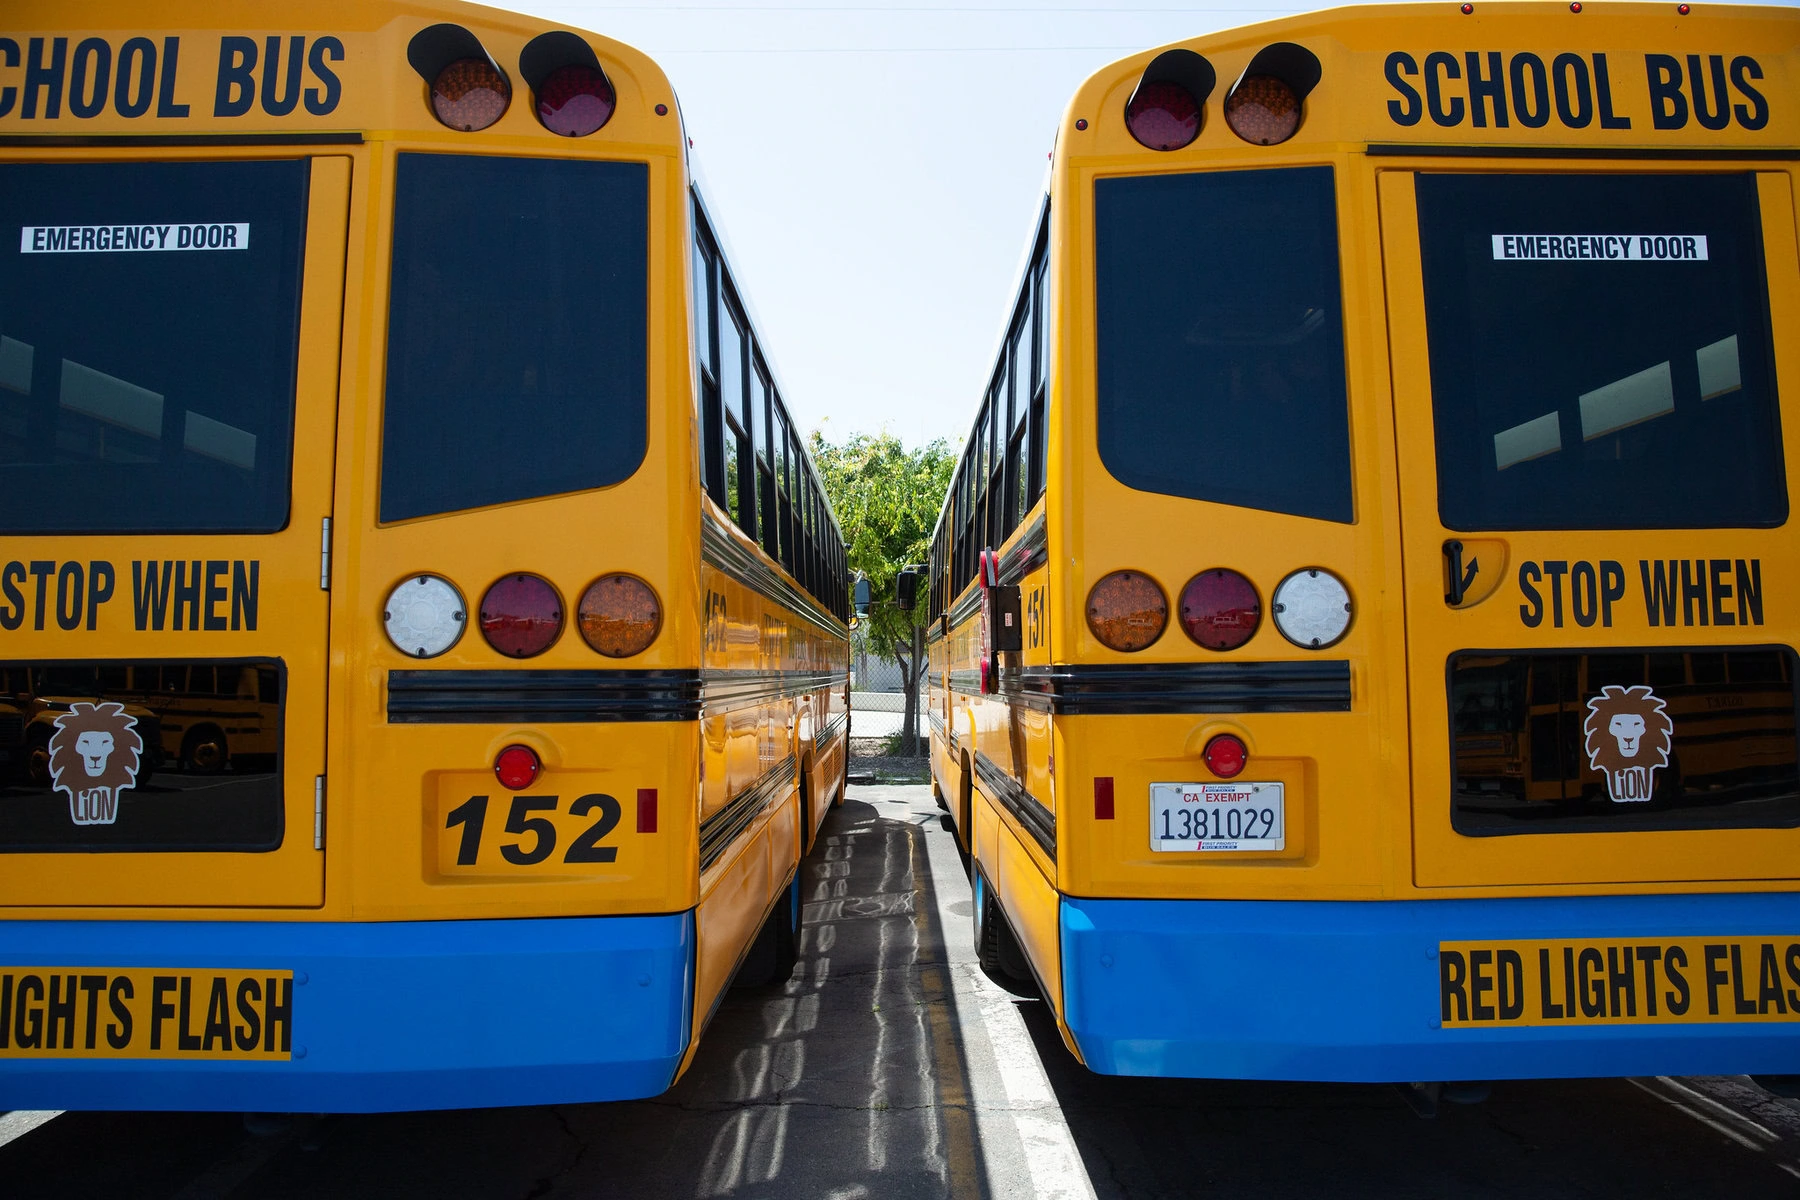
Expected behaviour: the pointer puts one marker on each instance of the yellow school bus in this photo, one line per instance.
(393, 463)
(1390, 417)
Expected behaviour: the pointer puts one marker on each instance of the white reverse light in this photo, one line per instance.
(424, 616)
(1312, 608)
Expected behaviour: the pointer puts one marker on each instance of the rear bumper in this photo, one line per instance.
(1349, 991)
(385, 1016)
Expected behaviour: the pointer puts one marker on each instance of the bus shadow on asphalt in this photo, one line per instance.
(1146, 1137)
(847, 1080)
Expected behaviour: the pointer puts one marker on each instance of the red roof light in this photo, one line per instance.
(575, 100)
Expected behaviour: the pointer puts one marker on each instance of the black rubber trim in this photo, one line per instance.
(1032, 813)
(541, 697)
(1672, 154)
(181, 139)
(1224, 687)
(718, 831)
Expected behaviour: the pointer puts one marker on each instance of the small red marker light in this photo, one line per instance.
(646, 810)
(1103, 798)
(517, 767)
(1226, 755)
(662, 110)
(1081, 122)
(1467, 9)
(1575, 6)
(1682, 9)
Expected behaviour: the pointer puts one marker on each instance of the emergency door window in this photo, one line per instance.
(149, 330)
(1600, 352)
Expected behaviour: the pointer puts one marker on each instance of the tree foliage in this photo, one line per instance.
(887, 499)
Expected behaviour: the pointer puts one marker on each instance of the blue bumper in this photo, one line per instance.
(392, 1016)
(1349, 991)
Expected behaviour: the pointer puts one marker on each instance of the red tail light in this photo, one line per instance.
(1163, 116)
(1220, 609)
(521, 615)
(470, 94)
(517, 767)
(1226, 756)
(575, 100)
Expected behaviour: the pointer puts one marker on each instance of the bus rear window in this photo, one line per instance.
(149, 329)
(1221, 340)
(516, 335)
(1600, 352)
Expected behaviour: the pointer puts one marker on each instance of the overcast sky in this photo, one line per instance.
(876, 169)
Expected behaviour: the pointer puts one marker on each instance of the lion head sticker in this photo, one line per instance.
(93, 757)
(1629, 736)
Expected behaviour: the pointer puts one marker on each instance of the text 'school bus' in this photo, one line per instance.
(423, 645)
(1364, 615)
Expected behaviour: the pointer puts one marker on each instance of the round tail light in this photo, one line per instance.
(1312, 608)
(1263, 110)
(424, 616)
(575, 100)
(619, 616)
(1127, 611)
(470, 94)
(1163, 116)
(1220, 609)
(517, 767)
(1226, 755)
(521, 616)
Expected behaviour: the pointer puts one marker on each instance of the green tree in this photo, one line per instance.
(887, 499)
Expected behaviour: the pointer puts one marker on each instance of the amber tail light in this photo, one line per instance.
(619, 615)
(1127, 611)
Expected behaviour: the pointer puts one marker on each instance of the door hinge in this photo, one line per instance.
(318, 812)
(325, 554)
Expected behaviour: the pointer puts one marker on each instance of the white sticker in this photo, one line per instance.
(95, 239)
(1620, 247)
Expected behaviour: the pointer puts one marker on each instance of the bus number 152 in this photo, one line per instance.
(537, 833)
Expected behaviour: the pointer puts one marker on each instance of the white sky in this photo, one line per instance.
(876, 169)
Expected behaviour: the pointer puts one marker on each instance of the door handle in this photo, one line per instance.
(1461, 578)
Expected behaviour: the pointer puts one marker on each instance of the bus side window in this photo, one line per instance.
(1709, 668)
(1667, 670)
(268, 685)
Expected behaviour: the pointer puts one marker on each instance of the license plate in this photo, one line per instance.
(1217, 816)
(146, 1012)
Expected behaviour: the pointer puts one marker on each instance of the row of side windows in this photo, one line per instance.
(753, 461)
(1001, 474)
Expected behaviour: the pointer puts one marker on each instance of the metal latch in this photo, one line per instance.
(318, 812)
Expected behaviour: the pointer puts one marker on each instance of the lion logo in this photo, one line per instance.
(94, 756)
(1629, 735)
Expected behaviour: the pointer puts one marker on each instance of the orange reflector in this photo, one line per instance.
(470, 94)
(1263, 110)
(517, 767)
(1127, 611)
(619, 615)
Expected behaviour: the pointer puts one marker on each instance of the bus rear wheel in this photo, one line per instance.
(997, 948)
(777, 946)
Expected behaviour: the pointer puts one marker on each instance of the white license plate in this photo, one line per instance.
(1217, 816)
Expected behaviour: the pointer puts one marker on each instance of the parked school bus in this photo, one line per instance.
(364, 385)
(1364, 624)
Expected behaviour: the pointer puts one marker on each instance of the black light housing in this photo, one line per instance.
(1164, 111)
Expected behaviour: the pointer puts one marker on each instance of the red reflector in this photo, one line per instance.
(1220, 609)
(521, 615)
(517, 768)
(1226, 755)
(575, 100)
(1103, 800)
(1163, 116)
(646, 810)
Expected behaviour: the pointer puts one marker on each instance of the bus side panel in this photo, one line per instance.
(735, 897)
(1030, 903)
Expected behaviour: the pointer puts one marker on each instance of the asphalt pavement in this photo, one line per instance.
(888, 1066)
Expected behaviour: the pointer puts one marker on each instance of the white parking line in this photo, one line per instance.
(15, 1125)
(1051, 1159)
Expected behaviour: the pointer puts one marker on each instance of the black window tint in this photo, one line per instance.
(148, 386)
(1221, 343)
(1575, 388)
(516, 338)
